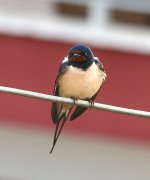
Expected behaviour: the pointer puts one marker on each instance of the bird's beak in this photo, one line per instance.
(76, 58)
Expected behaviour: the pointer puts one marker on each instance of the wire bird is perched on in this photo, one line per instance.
(81, 76)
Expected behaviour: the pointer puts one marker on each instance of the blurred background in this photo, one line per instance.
(35, 36)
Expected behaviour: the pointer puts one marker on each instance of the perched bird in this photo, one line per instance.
(81, 76)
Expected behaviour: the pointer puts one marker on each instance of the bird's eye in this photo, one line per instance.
(83, 54)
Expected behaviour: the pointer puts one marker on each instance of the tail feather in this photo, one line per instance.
(57, 133)
(64, 113)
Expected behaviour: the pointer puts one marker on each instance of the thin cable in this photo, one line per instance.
(46, 97)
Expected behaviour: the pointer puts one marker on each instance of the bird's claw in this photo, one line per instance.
(91, 104)
(74, 100)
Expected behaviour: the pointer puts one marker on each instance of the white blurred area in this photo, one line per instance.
(75, 157)
(89, 21)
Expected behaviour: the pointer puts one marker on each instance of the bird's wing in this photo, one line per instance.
(55, 106)
(79, 110)
(99, 64)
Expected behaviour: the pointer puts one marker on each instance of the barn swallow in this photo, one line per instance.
(80, 76)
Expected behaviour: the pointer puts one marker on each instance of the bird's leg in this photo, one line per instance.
(74, 100)
(91, 102)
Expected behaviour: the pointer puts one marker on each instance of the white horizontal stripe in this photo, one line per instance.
(114, 36)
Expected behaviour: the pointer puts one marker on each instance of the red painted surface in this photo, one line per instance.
(33, 65)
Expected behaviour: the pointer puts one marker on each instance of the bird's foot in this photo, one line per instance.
(74, 100)
(91, 102)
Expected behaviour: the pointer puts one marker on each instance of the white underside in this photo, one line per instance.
(81, 84)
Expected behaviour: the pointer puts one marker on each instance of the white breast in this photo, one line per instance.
(81, 84)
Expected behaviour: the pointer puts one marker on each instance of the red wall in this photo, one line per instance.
(33, 64)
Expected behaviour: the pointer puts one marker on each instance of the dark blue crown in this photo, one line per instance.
(82, 48)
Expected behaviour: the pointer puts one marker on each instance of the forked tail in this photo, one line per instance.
(63, 116)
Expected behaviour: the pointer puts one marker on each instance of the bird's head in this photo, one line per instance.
(80, 56)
